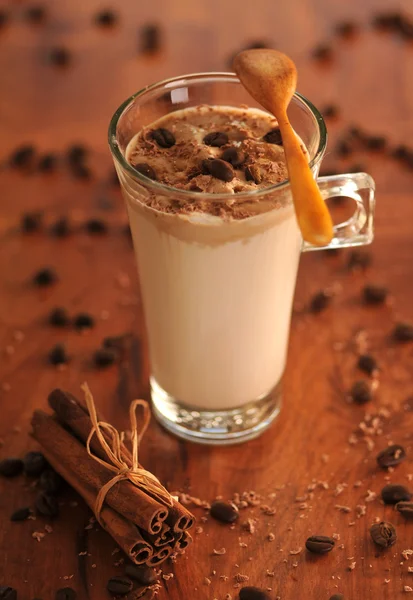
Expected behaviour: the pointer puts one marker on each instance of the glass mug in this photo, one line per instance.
(217, 293)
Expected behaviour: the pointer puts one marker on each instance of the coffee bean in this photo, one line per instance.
(106, 18)
(150, 38)
(61, 227)
(45, 277)
(337, 597)
(346, 29)
(391, 456)
(34, 464)
(76, 154)
(119, 586)
(145, 169)
(406, 509)
(46, 505)
(35, 14)
(66, 593)
(401, 153)
(343, 148)
(51, 482)
(216, 139)
(252, 173)
(361, 392)
(403, 332)
(375, 294)
(11, 467)
(367, 363)
(233, 156)
(163, 137)
(4, 17)
(47, 163)
(273, 137)
(393, 493)
(104, 357)
(358, 259)
(31, 222)
(322, 53)
(23, 157)
(319, 544)
(218, 168)
(60, 57)
(319, 301)
(142, 574)
(331, 111)
(388, 20)
(253, 593)
(383, 534)
(375, 142)
(58, 355)
(226, 512)
(59, 317)
(96, 226)
(7, 593)
(83, 321)
(21, 514)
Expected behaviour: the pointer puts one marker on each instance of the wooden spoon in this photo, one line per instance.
(271, 77)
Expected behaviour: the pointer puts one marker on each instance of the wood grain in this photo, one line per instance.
(371, 79)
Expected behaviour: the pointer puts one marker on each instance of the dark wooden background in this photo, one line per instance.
(371, 79)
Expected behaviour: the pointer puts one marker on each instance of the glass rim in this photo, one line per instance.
(167, 189)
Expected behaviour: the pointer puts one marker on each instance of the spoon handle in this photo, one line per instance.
(311, 211)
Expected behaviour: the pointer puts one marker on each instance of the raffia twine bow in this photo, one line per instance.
(139, 477)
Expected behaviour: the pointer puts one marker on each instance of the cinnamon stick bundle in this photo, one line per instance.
(72, 413)
(147, 528)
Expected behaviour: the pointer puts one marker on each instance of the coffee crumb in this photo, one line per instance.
(219, 552)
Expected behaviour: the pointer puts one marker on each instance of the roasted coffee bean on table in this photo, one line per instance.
(83, 321)
(383, 534)
(106, 18)
(58, 355)
(320, 301)
(119, 585)
(47, 163)
(405, 508)
(60, 57)
(394, 493)
(66, 593)
(359, 259)
(337, 597)
(21, 514)
(104, 357)
(59, 317)
(375, 294)
(403, 332)
(319, 544)
(7, 593)
(34, 464)
(51, 482)
(35, 14)
(322, 53)
(150, 38)
(142, 574)
(361, 392)
(367, 363)
(23, 157)
(45, 277)
(11, 467)
(346, 29)
(226, 512)
(61, 227)
(391, 456)
(47, 505)
(31, 222)
(253, 593)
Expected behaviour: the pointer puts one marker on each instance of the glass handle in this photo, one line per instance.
(358, 230)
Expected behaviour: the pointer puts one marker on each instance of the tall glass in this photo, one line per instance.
(217, 292)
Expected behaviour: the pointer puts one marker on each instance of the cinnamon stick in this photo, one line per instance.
(126, 499)
(125, 533)
(70, 411)
(159, 557)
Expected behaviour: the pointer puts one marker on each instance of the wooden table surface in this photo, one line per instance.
(307, 450)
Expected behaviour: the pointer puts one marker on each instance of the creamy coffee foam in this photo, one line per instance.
(214, 150)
